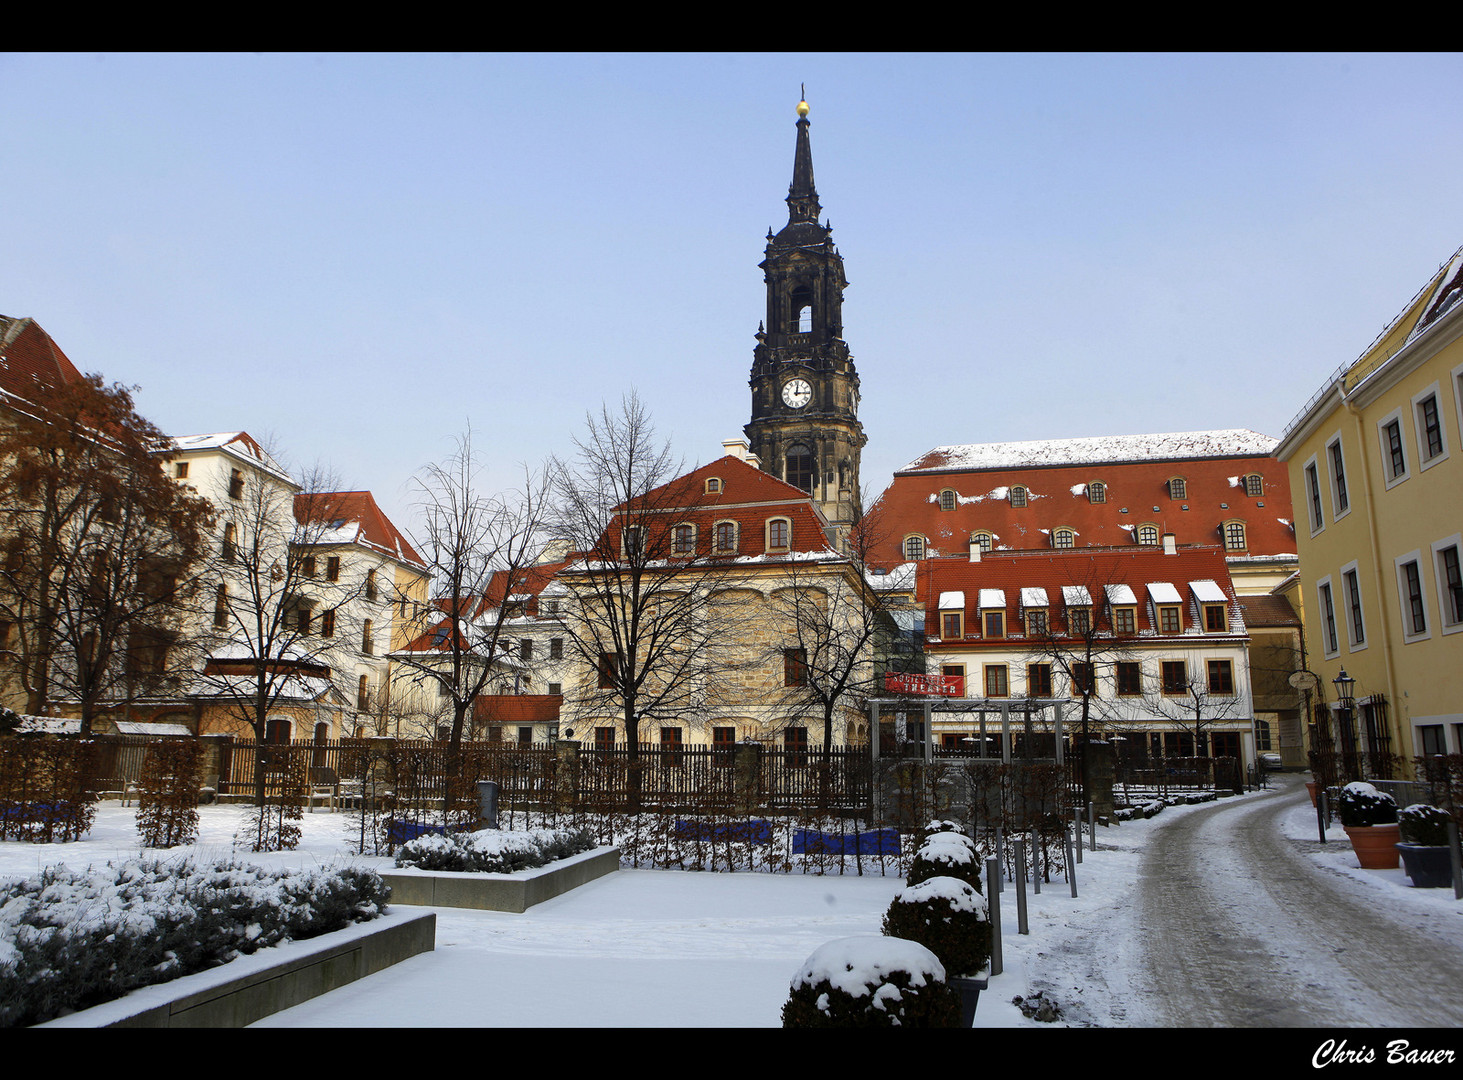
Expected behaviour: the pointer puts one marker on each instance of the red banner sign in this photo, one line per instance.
(925, 685)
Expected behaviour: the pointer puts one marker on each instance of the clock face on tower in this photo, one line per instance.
(797, 393)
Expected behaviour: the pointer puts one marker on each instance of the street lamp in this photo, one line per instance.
(1344, 684)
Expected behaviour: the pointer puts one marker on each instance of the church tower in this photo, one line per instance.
(805, 391)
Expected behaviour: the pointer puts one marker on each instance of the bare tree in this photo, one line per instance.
(479, 547)
(101, 549)
(642, 624)
(837, 624)
(281, 615)
(1195, 706)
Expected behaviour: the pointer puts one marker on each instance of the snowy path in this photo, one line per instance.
(1244, 930)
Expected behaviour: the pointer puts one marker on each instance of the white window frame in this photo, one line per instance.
(1409, 635)
(1335, 446)
(1435, 392)
(1353, 570)
(736, 533)
(1310, 474)
(1384, 446)
(1326, 590)
(1454, 541)
(676, 549)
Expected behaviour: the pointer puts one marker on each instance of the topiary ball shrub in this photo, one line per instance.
(871, 981)
(1360, 804)
(946, 854)
(946, 916)
(1424, 825)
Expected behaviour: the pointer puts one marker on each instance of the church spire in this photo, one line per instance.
(802, 195)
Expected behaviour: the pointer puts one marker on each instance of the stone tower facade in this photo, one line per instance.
(805, 391)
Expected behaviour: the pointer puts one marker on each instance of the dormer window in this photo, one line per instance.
(779, 534)
(1254, 485)
(713, 485)
(914, 548)
(982, 540)
(726, 537)
(947, 499)
(1148, 534)
(683, 540)
(1097, 492)
(633, 540)
(1234, 536)
(1018, 496)
(1178, 488)
(1063, 538)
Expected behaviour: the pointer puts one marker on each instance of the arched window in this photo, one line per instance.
(231, 542)
(1097, 492)
(914, 547)
(1148, 534)
(779, 534)
(713, 485)
(1018, 496)
(683, 540)
(726, 537)
(1254, 485)
(1063, 538)
(802, 309)
(983, 540)
(947, 499)
(800, 467)
(1178, 488)
(1234, 536)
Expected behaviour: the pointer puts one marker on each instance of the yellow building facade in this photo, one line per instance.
(1376, 473)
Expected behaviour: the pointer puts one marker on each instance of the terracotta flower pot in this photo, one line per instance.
(1375, 845)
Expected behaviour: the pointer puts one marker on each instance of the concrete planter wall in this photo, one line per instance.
(269, 981)
(499, 892)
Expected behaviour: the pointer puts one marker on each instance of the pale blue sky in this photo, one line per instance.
(363, 253)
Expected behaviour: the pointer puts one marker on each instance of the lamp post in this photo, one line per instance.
(1345, 686)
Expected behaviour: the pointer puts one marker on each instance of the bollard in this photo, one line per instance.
(1036, 853)
(1020, 847)
(1071, 866)
(1001, 859)
(1077, 829)
(1321, 811)
(1091, 827)
(993, 905)
(487, 804)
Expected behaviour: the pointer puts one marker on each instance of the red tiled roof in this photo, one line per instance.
(359, 507)
(1268, 611)
(747, 496)
(1011, 572)
(529, 581)
(517, 708)
(1057, 498)
(29, 357)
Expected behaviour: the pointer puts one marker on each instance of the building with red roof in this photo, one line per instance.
(1147, 638)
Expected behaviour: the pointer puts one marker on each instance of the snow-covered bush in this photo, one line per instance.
(946, 916)
(1424, 825)
(493, 851)
(946, 854)
(71, 939)
(1361, 804)
(871, 981)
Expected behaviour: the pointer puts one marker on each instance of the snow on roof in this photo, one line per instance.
(952, 601)
(1208, 592)
(992, 598)
(1120, 594)
(142, 727)
(1162, 592)
(1076, 596)
(1231, 442)
(1032, 596)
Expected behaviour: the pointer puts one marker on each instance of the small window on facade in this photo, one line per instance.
(181, 470)
(608, 670)
(1313, 493)
(363, 693)
(1018, 496)
(556, 648)
(794, 667)
(1353, 605)
(947, 500)
(778, 531)
(1392, 450)
(307, 566)
(236, 484)
(370, 584)
(713, 486)
(1175, 675)
(525, 649)
(1038, 680)
(1328, 618)
(670, 742)
(1216, 618)
(1097, 492)
(795, 742)
(1079, 620)
(231, 542)
(1129, 678)
(996, 684)
(1178, 488)
(1148, 534)
(634, 541)
(327, 623)
(950, 625)
(1063, 538)
(995, 624)
(1414, 616)
(1339, 497)
(982, 540)
(683, 540)
(1169, 621)
(1124, 620)
(1234, 535)
(220, 607)
(1254, 485)
(1221, 678)
(1450, 584)
(1083, 679)
(1036, 623)
(726, 537)
(914, 548)
(1429, 427)
(367, 645)
(332, 568)
(604, 738)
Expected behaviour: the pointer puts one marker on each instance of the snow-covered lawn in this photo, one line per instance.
(653, 948)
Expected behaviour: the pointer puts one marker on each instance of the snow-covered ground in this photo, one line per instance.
(648, 948)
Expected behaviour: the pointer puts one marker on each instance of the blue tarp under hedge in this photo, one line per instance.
(741, 832)
(878, 842)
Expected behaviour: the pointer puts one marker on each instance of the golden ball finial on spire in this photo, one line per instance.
(802, 108)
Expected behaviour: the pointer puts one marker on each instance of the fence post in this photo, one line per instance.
(1071, 866)
(1020, 847)
(1077, 829)
(1091, 829)
(1037, 850)
(566, 775)
(993, 905)
(1001, 858)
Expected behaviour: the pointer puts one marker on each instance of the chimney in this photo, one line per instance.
(739, 449)
(974, 551)
(1170, 544)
